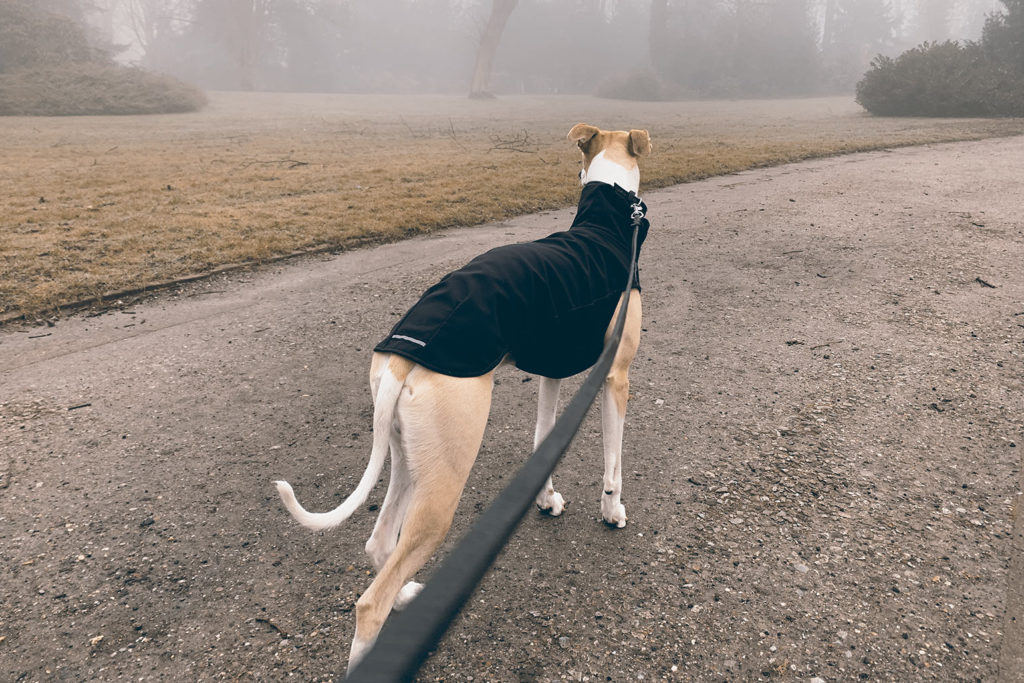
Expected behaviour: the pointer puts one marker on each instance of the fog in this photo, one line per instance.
(665, 48)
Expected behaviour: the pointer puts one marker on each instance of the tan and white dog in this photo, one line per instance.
(433, 425)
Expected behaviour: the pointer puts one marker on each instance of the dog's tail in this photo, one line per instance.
(383, 415)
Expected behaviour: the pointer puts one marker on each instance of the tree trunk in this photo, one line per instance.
(658, 38)
(828, 38)
(481, 83)
(245, 11)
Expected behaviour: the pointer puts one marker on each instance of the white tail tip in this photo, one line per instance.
(284, 489)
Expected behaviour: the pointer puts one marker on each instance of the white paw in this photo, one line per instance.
(551, 503)
(614, 515)
(407, 594)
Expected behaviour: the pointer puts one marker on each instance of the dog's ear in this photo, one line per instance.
(639, 143)
(582, 133)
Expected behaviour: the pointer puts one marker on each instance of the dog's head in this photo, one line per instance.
(610, 156)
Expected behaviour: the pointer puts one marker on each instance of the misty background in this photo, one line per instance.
(680, 48)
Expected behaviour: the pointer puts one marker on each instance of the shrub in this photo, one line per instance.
(49, 68)
(94, 89)
(30, 37)
(641, 86)
(941, 79)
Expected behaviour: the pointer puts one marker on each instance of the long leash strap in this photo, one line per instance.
(410, 635)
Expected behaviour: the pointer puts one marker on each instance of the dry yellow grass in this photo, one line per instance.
(93, 205)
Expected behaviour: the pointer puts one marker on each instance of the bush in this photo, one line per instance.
(49, 68)
(30, 37)
(94, 89)
(941, 79)
(640, 86)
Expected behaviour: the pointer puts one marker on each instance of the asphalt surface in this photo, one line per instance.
(822, 457)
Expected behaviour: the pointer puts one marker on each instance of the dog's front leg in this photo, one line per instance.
(613, 418)
(613, 413)
(548, 500)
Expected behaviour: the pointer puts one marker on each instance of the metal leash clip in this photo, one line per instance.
(638, 210)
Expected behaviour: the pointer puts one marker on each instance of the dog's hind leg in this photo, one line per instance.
(385, 532)
(548, 500)
(613, 414)
(396, 502)
(442, 420)
(427, 524)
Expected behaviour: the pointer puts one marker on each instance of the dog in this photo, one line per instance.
(545, 306)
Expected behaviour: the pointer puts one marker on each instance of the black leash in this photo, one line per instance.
(409, 636)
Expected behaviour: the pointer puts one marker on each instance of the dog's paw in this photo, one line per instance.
(407, 594)
(551, 503)
(614, 515)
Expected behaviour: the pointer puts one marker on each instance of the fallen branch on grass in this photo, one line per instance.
(520, 142)
(292, 163)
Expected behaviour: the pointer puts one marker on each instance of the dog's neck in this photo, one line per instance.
(607, 205)
(604, 170)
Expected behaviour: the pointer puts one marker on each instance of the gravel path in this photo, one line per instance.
(822, 474)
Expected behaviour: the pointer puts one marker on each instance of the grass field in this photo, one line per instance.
(95, 205)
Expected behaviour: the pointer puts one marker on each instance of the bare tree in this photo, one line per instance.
(148, 19)
(829, 26)
(480, 86)
(934, 17)
(238, 28)
(660, 39)
(244, 14)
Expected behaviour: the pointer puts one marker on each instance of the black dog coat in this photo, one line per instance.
(546, 304)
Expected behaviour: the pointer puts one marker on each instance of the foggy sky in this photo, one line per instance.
(397, 36)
